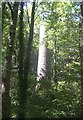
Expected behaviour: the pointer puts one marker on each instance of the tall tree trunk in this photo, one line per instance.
(43, 69)
(24, 82)
(21, 61)
(8, 65)
(29, 43)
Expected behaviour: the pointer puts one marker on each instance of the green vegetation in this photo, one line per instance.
(54, 87)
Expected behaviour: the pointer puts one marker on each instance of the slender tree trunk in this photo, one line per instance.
(8, 65)
(24, 80)
(29, 43)
(21, 63)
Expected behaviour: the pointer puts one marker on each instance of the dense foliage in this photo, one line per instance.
(59, 96)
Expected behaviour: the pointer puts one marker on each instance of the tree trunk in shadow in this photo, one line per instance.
(23, 82)
(6, 102)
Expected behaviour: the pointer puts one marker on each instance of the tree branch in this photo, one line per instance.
(40, 14)
(11, 9)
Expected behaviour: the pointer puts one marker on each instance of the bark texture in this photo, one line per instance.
(41, 70)
(21, 62)
(8, 64)
(44, 60)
